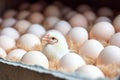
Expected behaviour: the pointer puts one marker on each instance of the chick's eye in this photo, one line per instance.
(53, 38)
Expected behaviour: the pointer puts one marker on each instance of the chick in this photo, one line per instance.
(56, 46)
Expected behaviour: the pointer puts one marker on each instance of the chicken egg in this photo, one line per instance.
(114, 40)
(103, 18)
(65, 10)
(78, 35)
(3, 53)
(110, 54)
(50, 21)
(7, 43)
(10, 13)
(23, 14)
(37, 30)
(62, 26)
(102, 31)
(105, 11)
(83, 8)
(36, 17)
(70, 14)
(78, 20)
(35, 58)
(24, 6)
(116, 23)
(91, 48)
(70, 62)
(16, 54)
(8, 22)
(90, 71)
(11, 32)
(29, 42)
(52, 10)
(22, 25)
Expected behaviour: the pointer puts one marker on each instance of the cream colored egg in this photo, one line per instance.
(10, 13)
(52, 10)
(116, 23)
(62, 26)
(36, 7)
(78, 35)
(115, 39)
(70, 14)
(90, 71)
(102, 31)
(36, 17)
(16, 54)
(35, 58)
(83, 8)
(11, 32)
(8, 22)
(90, 15)
(109, 55)
(3, 53)
(49, 22)
(70, 62)
(23, 14)
(29, 42)
(91, 48)
(105, 11)
(22, 26)
(102, 18)
(78, 20)
(7, 43)
(24, 6)
(37, 30)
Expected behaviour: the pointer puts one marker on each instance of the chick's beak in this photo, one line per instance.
(46, 38)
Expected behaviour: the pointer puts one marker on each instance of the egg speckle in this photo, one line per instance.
(35, 58)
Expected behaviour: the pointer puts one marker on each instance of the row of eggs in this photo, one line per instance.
(21, 40)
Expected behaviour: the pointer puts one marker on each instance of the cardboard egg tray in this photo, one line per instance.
(18, 71)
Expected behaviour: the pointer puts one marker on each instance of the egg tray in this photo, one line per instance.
(18, 71)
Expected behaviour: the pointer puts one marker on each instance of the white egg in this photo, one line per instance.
(116, 23)
(102, 18)
(91, 48)
(11, 32)
(78, 20)
(7, 43)
(8, 22)
(102, 31)
(16, 54)
(37, 30)
(50, 21)
(35, 58)
(70, 62)
(22, 25)
(105, 11)
(78, 35)
(36, 18)
(29, 42)
(83, 8)
(90, 71)
(52, 10)
(10, 13)
(115, 39)
(62, 26)
(90, 15)
(109, 55)
(23, 14)
(3, 53)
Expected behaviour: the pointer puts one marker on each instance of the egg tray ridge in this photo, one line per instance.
(18, 71)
